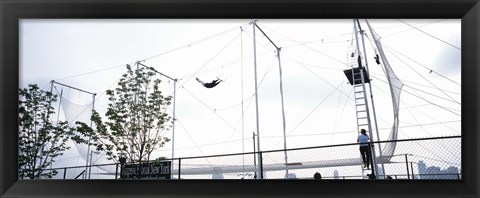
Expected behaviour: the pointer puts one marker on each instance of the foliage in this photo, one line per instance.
(40, 141)
(159, 159)
(136, 118)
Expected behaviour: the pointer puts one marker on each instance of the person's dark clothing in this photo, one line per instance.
(212, 84)
(365, 152)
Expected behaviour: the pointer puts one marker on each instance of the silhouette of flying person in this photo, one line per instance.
(210, 84)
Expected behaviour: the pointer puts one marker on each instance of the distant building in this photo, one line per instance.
(217, 174)
(433, 172)
(452, 172)
(291, 176)
(422, 169)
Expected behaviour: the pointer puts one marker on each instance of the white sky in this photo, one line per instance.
(91, 55)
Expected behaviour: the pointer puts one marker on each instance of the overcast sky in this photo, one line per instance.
(91, 55)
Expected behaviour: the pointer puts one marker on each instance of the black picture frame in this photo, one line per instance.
(11, 11)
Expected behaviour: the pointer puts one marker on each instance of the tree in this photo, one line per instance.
(136, 118)
(40, 141)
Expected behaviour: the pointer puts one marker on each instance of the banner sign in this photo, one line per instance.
(158, 170)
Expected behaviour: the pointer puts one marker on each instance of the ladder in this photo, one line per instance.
(358, 82)
(361, 108)
(365, 172)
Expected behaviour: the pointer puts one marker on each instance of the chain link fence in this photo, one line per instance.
(425, 158)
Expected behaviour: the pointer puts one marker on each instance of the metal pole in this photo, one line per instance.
(174, 99)
(372, 150)
(411, 166)
(89, 139)
(260, 160)
(116, 171)
(90, 167)
(371, 97)
(179, 167)
(72, 87)
(406, 163)
(241, 88)
(93, 108)
(256, 96)
(281, 94)
(283, 114)
(254, 157)
(173, 121)
(138, 63)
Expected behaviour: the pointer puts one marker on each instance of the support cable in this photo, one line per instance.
(423, 99)
(211, 59)
(425, 78)
(430, 70)
(430, 35)
(194, 142)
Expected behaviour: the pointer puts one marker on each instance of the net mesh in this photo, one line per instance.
(77, 112)
(75, 106)
(395, 89)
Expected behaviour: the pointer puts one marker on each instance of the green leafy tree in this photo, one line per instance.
(136, 118)
(40, 141)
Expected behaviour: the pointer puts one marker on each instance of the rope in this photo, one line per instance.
(161, 54)
(424, 78)
(431, 70)
(343, 110)
(331, 85)
(421, 25)
(423, 99)
(302, 44)
(193, 140)
(195, 42)
(221, 50)
(423, 128)
(430, 35)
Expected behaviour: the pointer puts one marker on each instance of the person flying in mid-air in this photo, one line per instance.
(210, 84)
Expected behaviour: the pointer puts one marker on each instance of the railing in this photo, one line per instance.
(423, 158)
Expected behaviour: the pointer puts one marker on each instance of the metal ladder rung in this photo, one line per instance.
(360, 104)
(359, 98)
(362, 125)
(361, 118)
(359, 91)
(360, 111)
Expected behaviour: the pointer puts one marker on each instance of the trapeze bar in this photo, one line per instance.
(73, 87)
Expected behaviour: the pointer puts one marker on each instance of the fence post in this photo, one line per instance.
(406, 162)
(260, 161)
(179, 167)
(411, 166)
(64, 172)
(116, 171)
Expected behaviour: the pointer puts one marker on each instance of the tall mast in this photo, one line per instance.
(256, 100)
(371, 96)
(373, 155)
(173, 121)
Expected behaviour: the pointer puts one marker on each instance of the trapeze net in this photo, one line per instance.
(395, 89)
(76, 106)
